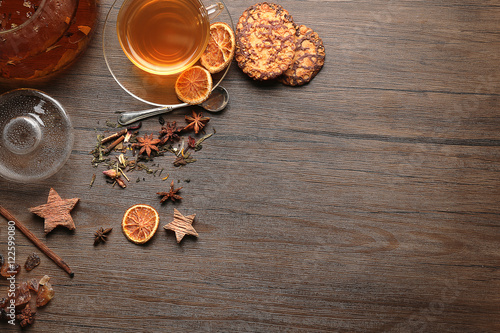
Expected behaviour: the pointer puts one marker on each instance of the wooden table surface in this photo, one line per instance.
(365, 201)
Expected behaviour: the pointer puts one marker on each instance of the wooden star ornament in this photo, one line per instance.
(56, 212)
(181, 225)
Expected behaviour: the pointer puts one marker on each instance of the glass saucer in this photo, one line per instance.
(36, 136)
(152, 89)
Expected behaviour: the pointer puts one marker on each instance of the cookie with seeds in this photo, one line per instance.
(308, 60)
(265, 41)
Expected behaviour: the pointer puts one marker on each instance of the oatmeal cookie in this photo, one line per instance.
(265, 41)
(308, 60)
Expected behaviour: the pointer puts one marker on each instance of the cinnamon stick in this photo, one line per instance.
(114, 136)
(37, 242)
(113, 145)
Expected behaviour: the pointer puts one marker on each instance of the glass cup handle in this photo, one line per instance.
(214, 10)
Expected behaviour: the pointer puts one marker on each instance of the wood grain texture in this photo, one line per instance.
(365, 201)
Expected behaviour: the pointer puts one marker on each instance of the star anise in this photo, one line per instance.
(147, 144)
(172, 194)
(26, 317)
(196, 122)
(169, 133)
(101, 235)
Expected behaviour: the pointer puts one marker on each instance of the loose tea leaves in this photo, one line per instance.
(146, 148)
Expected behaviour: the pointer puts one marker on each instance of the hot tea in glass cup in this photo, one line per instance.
(164, 37)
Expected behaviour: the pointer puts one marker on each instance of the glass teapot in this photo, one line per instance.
(40, 38)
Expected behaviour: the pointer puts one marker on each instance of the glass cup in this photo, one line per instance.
(36, 136)
(153, 89)
(165, 37)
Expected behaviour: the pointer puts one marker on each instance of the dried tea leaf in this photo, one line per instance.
(32, 261)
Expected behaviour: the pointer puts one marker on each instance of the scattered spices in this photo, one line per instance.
(145, 148)
(147, 144)
(161, 120)
(165, 178)
(38, 243)
(169, 133)
(45, 292)
(171, 194)
(26, 317)
(179, 161)
(197, 122)
(181, 225)
(101, 235)
(116, 176)
(114, 136)
(32, 261)
(183, 159)
(128, 136)
(56, 212)
(198, 143)
(98, 152)
(113, 145)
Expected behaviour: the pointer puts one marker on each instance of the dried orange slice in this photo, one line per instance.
(139, 223)
(194, 85)
(220, 49)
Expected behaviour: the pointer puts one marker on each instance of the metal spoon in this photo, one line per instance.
(216, 102)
